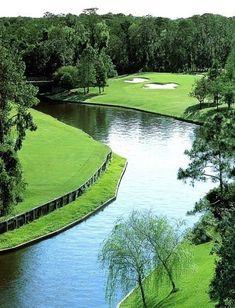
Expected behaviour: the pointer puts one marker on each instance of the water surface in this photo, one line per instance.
(63, 271)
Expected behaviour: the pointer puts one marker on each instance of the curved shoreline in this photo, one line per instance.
(120, 106)
(70, 225)
(17, 221)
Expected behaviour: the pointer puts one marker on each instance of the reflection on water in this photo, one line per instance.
(63, 271)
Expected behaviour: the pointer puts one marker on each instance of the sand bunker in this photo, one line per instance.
(165, 86)
(136, 80)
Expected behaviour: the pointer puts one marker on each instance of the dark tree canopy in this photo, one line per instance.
(16, 97)
(133, 43)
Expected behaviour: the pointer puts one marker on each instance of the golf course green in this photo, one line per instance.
(125, 92)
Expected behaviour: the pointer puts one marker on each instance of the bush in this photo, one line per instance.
(202, 231)
(66, 77)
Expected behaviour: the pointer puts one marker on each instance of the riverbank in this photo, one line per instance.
(173, 102)
(193, 285)
(94, 199)
(57, 159)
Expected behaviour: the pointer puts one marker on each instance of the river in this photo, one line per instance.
(63, 271)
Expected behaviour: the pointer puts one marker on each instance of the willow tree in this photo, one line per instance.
(164, 243)
(126, 259)
(16, 97)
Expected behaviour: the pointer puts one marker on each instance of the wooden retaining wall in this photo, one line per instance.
(44, 209)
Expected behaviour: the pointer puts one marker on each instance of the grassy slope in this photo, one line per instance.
(175, 102)
(100, 192)
(56, 159)
(193, 285)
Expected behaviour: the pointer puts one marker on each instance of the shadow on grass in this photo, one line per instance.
(208, 109)
(195, 108)
(164, 302)
(74, 96)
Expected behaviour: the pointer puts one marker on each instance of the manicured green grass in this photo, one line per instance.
(98, 194)
(56, 159)
(174, 102)
(193, 285)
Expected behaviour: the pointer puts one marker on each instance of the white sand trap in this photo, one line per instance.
(165, 86)
(136, 80)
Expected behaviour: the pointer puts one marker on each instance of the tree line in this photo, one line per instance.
(218, 85)
(131, 43)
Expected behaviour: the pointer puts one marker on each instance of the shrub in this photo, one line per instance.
(66, 77)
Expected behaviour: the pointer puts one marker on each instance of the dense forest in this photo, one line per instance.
(131, 43)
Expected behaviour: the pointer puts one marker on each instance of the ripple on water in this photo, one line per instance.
(63, 271)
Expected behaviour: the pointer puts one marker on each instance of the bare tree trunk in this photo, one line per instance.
(1, 132)
(142, 292)
(221, 175)
(174, 289)
(1, 120)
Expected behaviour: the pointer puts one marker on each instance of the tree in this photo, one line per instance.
(86, 69)
(212, 154)
(127, 260)
(101, 74)
(230, 65)
(229, 80)
(16, 97)
(215, 90)
(223, 287)
(141, 243)
(215, 84)
(66, 77)
(229, 93)
(163, 241)
(200, 90)
(214, 151)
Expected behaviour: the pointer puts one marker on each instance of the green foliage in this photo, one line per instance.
(223, 286)
(133, 43)
(16, 97)
(125, 257)
(163, 241)
(138, 244)
(86, 69)
(212, 153)
(11, 184)
(101, 75)
(230, 65)
(66, 77)
(203, 230)
(200, 90)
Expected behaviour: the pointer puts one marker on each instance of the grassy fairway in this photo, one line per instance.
(103, 190)
(193, 285)
(174, 102)
(56, 159)
(170, 102)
